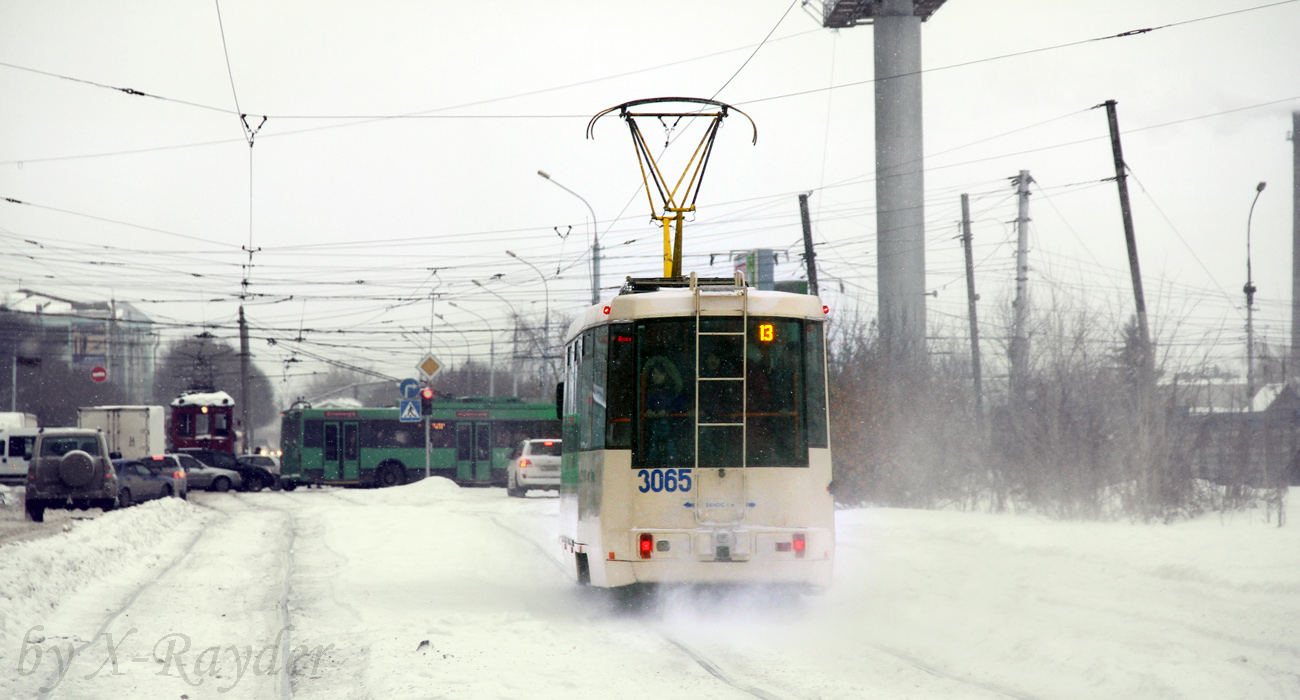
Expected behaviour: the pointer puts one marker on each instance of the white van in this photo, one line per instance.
(15, 451)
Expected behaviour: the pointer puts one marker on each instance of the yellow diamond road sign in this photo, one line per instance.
(428, 366)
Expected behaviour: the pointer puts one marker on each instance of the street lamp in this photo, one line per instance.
(514, 339)
(1249, 289)
(595, 241)
(546, 320)
(492, 349)
(464, 338)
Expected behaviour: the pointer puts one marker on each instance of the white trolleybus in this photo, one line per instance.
(695, 437)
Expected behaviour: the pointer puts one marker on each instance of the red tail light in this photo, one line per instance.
(800, 545)
(647, 544)
(523, 463)
(178, 474)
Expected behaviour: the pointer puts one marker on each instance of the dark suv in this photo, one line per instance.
(69, 469)
(255, 478)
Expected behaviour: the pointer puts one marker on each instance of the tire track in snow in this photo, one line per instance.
(1002, 692)
(314, 535)
(550, 555)
(51, 682)
(286, 621)
(717, 672)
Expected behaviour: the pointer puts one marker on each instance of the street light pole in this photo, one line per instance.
(514, 339)
(546, 319)
(595, 241)
(462, 337)
(1249, 289)
(492, 349)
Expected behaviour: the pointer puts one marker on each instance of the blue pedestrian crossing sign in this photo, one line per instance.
(409, 411)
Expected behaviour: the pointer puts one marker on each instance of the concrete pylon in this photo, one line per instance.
(900, 182)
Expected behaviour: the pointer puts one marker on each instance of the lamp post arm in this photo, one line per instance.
(514, 338)
(492, 349)
(595, 238)
(546, 318)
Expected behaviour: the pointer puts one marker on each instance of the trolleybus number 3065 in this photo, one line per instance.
(664, 480)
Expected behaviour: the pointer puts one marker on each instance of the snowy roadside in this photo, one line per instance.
(37, 576)
(435, 590)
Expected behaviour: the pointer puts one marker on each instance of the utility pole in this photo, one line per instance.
(971, 298)
(1019, 350)
(243, 381)
(1295, 245)
(1121, 179)
(809, 256)
(595, 269)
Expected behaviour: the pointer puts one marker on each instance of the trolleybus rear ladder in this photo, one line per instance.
(738, 289)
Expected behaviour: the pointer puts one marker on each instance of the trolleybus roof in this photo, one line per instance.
(674, 297)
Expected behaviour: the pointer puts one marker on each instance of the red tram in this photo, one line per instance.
(203, 419)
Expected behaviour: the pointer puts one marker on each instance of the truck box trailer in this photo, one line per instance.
(133, 431)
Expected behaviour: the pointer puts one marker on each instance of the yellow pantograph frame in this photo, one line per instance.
(673, 209)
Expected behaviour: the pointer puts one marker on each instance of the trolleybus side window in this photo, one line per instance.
(774, 367)
(350, 441)
(586, 382)
(312, 433)
(599, 373)
(815, 383)
(620, 388)
(570, 418)
(441, 434)
(331, 442)
(464, 445)
(482, 443)
(289, 437)
(509, 433)
(666, 387)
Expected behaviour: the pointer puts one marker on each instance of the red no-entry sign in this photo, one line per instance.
(99, 374)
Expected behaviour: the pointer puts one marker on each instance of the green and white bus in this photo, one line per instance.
(470, 442)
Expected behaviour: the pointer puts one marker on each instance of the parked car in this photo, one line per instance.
(254, 478)
(139, 480)
(271, 463)
(535, 464)
(69, 469)
(197, 474)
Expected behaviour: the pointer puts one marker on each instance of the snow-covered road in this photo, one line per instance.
(433, 591)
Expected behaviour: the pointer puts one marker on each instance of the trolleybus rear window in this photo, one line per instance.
(666, 388)
(746, 394)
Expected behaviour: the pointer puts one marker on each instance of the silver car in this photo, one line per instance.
(200, 476)
(146, 479)
(535, 464)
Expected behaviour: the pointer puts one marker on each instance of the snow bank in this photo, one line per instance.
(37, 574)
(422, 492)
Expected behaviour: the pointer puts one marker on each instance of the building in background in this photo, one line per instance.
(39, 330)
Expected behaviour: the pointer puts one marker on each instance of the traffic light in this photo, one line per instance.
(426, 401)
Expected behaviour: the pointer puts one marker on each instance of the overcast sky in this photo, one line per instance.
(404, 138)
